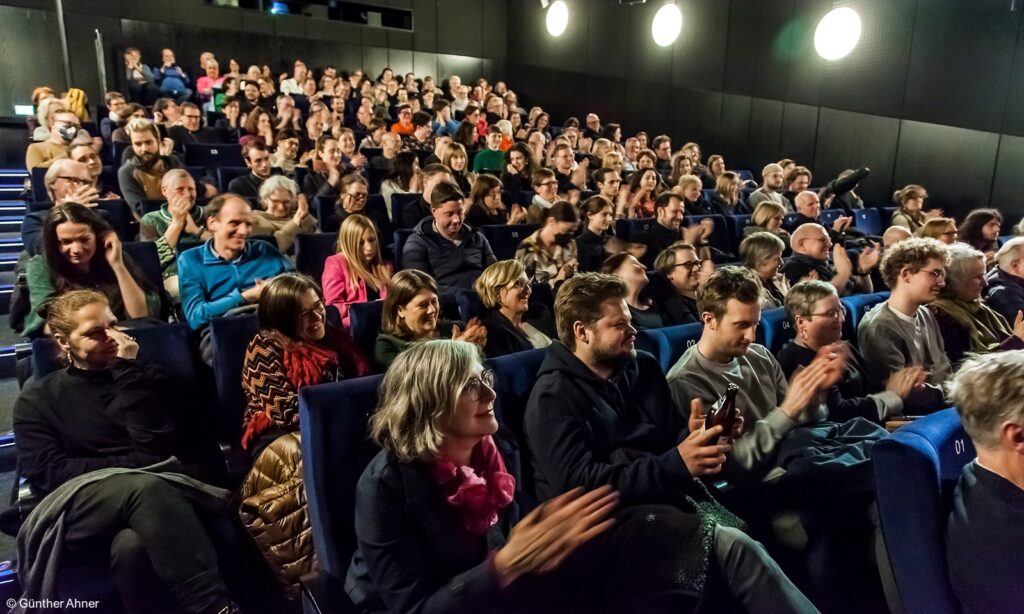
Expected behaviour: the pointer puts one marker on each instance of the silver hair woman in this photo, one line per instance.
(761, 252)
(284, 214)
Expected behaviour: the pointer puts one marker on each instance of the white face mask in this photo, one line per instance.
(114, 117)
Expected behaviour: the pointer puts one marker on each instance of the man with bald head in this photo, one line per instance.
(893, 235)
(593, 129)
(1005, 292)
(811, 247)
(808, 209)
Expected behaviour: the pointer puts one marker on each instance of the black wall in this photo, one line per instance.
(933, 93)
(465, 37)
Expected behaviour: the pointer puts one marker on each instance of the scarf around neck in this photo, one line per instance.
(305, 363)
(478, 490)
(987, 329)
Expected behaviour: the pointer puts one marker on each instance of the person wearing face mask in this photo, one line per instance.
(549, 254)
(257, 158)
(64, 127)
(817, 316)
(512, 326)
(178, 220)
(285, 213)
(80, 250)
(966, 322)
(151, 157)
(356, 273)
(412, 313)
(443, 246)
(761, 253)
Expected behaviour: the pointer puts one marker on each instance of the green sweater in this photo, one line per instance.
(152, 228)
(40, 290)
(489, 160)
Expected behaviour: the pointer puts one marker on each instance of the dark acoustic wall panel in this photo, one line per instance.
(848, 140)
(960, 64)
(493, 30)
(1013, 117)
(604, 97)
(424, 27)
(734, 130)
(765, 133)
(425, 63)
(647, 62)
(84, 70)
(799, 134)
(806, 67)
(23, 31)
(400, 61)
(775, 32)
(955, 164)
(200, 14)
(375, 59)
(697, 115)
(872, 78)
(742, 47)
(607, 48)
(1009, 181)
(460, 27)
(698, 55)
(151, 37)
(468, 68)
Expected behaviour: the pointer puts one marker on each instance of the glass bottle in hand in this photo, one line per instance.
(723, 414)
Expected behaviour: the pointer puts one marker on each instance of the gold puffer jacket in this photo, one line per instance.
(274, 511)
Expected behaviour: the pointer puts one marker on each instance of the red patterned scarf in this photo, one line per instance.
(305, 363)
(477, 490)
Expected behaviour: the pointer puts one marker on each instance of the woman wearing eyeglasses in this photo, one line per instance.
(817, 316)
(285, 213)
(505, 293)
(295, 347)
(761, 252)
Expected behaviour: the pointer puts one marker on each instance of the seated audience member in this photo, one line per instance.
(942, 229)
(592, 243)
(425, 182)
(356, 273)
(798, 179)
(769, 191)
(667, 229)
(549, 253)
(980, 229)
(296, 347)
(680, 271)
(1005, 291)
(894, 235)
(811, 247)
(228, 271)
(768, 217)
(601, 414)
(259, 126)
(726, 199)
(64, 127)
(403, 177)
(570, 175)
(486, 208)
(325, 170)
(453, 253)
(351, 159)
(147, 525)
(808, 208)
(189, 128)
(817, 316)
(178, 220)
(114, 102)
(681, 166)
(286, 157)
(761, 254)
(443, 124)
(285, 213)
(142, 172)
(442, 386)
(608, 182)
(353, 199)
(66, 181)
(454, 157)
(404, 125)
(519, 168)
(643, 312)
(984, 527)
(129, 112)
(85, 154)
(713, 172)
(231, 123)
(694, 203)
(374, 136)
(491, 158)
(412, 313)
(505, 291)
(637, 198)
(910, 208)
(967, 324)
(257, 158)
(79, 250)
(172, 78)
(391, 145)
(545, 188)
(727, 354)
(902, 331)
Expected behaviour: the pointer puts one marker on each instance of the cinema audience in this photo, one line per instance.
(1005, 291)
(285, 213)
(178, 220)
(504, 292)
(357, 272)
(549, 253)
(761, 254)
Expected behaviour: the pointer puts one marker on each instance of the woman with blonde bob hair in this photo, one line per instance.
(505, 292)
(438, 497)
(412, 313)
(768, 217)
(941, 229)
(356, 273)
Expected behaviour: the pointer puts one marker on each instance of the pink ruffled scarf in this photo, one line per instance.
(478, 490)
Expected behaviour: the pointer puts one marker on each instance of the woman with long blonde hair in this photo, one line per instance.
(356, 273)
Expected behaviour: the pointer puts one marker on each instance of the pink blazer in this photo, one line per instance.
(336, 287)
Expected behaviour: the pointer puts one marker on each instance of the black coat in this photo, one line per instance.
(503, 337)
(1005, 293)
(451, 265)
(848, 398)
(590, 250)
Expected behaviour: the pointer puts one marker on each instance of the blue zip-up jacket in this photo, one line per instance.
(211, 286)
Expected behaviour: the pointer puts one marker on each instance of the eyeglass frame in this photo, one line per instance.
(75, 180)
(472, 387)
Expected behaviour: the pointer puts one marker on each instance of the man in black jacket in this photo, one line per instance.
(811, 247)
(601, 413)
(430, 177)
(257, 158)
(668, 215)
(443, 246)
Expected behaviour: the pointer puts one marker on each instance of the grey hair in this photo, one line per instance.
(278, 182)
(801, 298)
(1009, 252)
(173, 175)
(419, 395)
(960, 255)
(758, 247)
(987, 391)
(58, 167)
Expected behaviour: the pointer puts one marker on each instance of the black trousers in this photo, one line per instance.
(159, 550)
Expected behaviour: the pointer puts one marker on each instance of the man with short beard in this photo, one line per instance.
(772, 176)
(140, 176)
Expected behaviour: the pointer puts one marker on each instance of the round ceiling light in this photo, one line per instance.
(837, 33)
(667, 24)
(557, 18)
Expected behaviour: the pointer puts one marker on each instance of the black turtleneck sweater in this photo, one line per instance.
(72, 422)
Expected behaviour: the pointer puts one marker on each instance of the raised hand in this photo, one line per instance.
(127, 346)
(302, 210)
(868, 258)
(700, 456)
(112, 249)
(806, 384)
(904, 381)
(842, 261)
